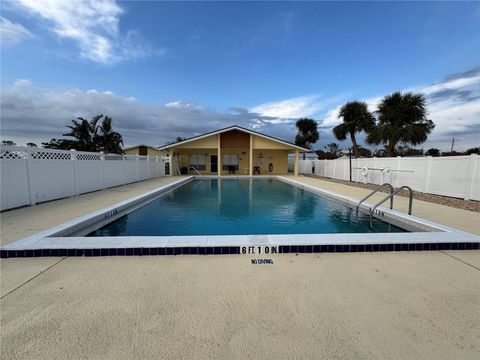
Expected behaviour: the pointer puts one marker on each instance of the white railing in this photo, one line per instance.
(455, 176)
(31, 175)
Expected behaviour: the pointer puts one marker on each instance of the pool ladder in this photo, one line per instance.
(390, 196)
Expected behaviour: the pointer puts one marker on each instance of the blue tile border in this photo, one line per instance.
(229, 250)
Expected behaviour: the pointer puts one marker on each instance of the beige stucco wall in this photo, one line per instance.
(132, 151)
(262, 143)
(184, 156)
(209, 142)
(243, 159)
(155, 152)
(150, 151)
(278, 158)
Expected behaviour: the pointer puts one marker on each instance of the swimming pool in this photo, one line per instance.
(239, 207)
(242, 215)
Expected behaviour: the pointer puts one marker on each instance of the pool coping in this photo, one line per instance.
(56, 242)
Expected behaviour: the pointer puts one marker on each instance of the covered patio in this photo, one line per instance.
(232, 151)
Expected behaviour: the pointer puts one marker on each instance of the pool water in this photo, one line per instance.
(241, 207)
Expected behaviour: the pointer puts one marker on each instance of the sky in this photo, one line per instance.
(168, 69)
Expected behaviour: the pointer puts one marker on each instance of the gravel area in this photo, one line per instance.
(470, 205)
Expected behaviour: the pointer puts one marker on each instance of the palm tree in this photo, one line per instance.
(402, 118)
(90, 136)
(356, 118)
(108, 140)
(85, 133)
(307, 133)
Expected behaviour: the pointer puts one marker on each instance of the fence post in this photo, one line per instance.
(102, 164)
(30, 182)
(137, 161)
(123, 169)
(399, 167)
(73, 157)
(148, 167)
(469, 179)
(428, 171)
(357, 172)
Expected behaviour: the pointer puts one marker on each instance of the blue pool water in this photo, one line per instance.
(240, 207)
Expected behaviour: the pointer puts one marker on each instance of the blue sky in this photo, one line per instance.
(167, 69)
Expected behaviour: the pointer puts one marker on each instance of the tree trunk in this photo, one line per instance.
(355, 145)
(390, 148)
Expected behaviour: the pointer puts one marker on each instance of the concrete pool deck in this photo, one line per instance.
(362, 305)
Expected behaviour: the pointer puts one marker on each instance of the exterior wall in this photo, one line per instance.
(184, 157)
(235, 139)
(209, 142)
(132, 151)
(243, 159)
(143, 150)
(278, 158)
(262, 143)
(155, 152)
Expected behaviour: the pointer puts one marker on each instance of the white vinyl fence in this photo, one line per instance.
(455, 176)
(31, 175)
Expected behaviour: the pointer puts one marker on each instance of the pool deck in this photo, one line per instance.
(408, 305)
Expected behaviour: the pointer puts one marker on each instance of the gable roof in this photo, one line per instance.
(230, 128)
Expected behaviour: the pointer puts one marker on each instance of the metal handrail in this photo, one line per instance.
(375, 191)
(410, 201)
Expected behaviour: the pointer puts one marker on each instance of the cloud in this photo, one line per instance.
(33, 113)
(303, 106)
(453, 105)
(93, 25)
(12, 33)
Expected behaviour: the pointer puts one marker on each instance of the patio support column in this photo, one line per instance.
(219, 157)
(171, 162)
(295, 163)
(250, 161)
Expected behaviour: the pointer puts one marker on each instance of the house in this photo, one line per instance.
(235, 151)
(144, 150)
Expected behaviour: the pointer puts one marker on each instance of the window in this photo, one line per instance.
(229, 160)
(197, 161)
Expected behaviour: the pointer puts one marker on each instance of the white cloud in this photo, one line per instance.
(453, 84)
(12, 33)
(298, 107)
(93, 25)
(33, 113)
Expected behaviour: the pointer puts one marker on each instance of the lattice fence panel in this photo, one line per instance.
(13, 153)
(30, 175)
